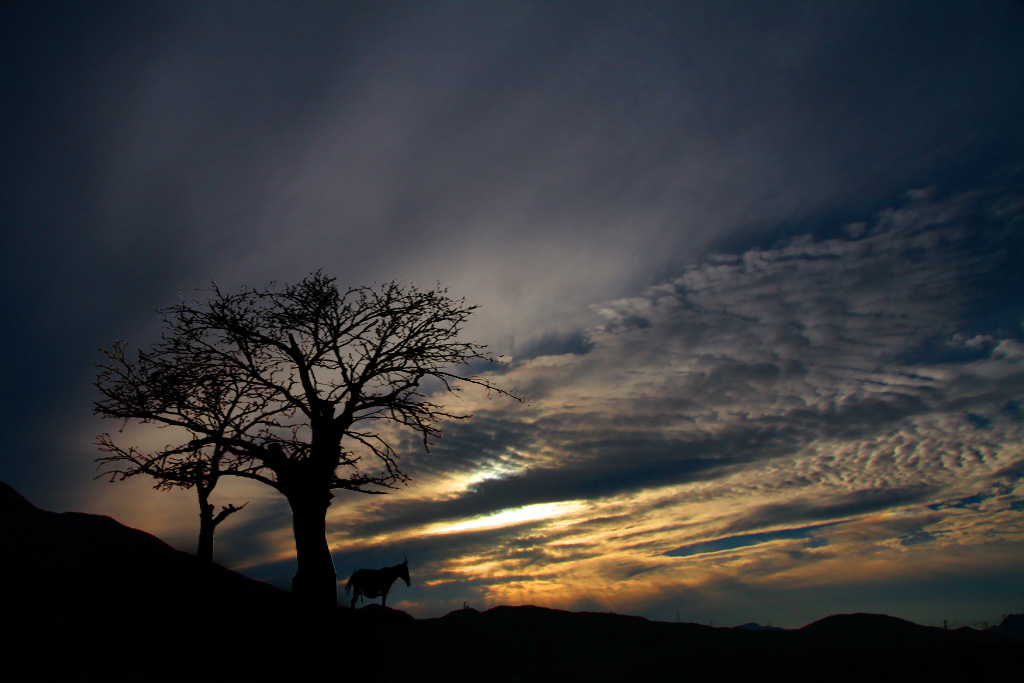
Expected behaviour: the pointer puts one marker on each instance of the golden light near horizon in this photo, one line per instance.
(507, 517)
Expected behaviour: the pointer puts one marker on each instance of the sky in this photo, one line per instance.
(754, 266)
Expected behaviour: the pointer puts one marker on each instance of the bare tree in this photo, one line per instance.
(305, 388)
(204, 403)
(200, 469)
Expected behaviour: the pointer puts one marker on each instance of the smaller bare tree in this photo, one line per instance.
(196, 470)
(220, 403)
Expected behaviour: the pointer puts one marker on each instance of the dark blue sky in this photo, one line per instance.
(757, 266)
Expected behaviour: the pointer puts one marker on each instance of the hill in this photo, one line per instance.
(85, 594)
(86, 598)
(80, 564)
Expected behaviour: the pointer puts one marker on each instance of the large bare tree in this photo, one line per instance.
(305, 388)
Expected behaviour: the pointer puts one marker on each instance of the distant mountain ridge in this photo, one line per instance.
(751, 626)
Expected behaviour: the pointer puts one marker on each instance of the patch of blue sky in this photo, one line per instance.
(938, 351)
(916, 538)
(960, 503)
(1012, 408)
(746, 540)
(978, 421)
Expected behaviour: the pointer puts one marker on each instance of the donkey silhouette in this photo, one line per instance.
(373, 583)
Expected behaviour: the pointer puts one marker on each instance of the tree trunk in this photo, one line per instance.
(204, 553)
(315, 584)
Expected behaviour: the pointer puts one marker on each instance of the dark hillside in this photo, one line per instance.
(81, 564)
(879, 632)
(84, 593)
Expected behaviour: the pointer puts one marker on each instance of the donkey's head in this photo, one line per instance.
(403, 572)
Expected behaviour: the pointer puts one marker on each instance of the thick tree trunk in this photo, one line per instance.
(315, 584)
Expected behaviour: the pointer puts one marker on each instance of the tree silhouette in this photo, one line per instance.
(215, 405)
(305, 388)
(198, 471)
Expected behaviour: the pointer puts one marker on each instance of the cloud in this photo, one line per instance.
(766, 411)
(744, 358)
(855, 504)
(742, 541)
(758, 397)
(541, 160)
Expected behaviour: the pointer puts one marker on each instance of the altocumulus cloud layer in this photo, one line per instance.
(743, 377)
(818, 414)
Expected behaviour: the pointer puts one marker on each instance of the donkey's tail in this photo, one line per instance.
(348, 586)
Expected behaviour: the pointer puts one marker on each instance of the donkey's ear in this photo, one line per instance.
(405, 561)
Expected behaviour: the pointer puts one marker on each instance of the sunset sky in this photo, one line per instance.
(757, 268)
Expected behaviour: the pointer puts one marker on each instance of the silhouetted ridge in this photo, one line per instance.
(92, 564)
(381, 614)
(1012, 628)
(462, 617)
(881, 632)
(532, 616)
(841, 624)
(526, 614)
(753, 626)
(13, 503)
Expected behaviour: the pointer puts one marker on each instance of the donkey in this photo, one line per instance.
(376, 582)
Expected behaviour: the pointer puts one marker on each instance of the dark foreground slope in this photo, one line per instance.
(92, 600)
(86, 566)
(85, 597)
